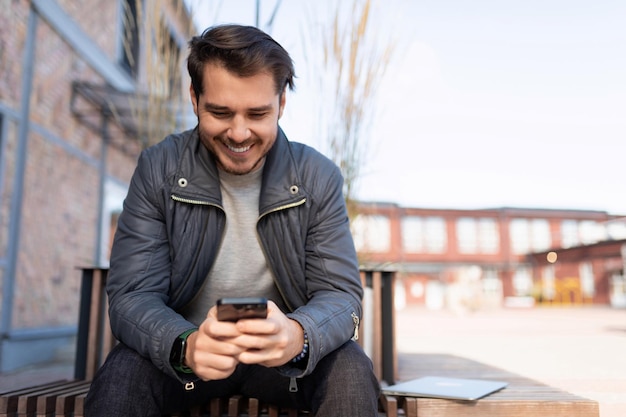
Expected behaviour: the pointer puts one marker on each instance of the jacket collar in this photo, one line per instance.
(197, 178)
(282, 185)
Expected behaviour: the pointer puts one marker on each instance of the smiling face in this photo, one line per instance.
(237, 117)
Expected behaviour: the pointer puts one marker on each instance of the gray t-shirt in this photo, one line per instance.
(240, 269)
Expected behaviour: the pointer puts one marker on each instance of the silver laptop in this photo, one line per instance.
(445, 387)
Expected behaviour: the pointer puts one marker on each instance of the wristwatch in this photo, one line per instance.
(177, 355)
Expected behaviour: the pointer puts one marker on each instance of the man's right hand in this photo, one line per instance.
(209, 352)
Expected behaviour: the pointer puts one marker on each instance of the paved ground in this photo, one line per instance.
(580, 350)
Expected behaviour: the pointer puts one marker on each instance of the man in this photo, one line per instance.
(232, 208)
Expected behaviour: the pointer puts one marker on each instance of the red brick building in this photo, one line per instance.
(581, 274)
(475, 258)
(67, 151)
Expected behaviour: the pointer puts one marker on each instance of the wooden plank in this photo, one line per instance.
(273, 411)
(46, 404)
(79, 405)
(372, 280)
(427, 407)
(522, 397)
(94, 334)
(27, 403)
(66, 403)
(215, 407)
(253, 407)
(410, 407)
(234, 403)
(9, 399)
(389, 405)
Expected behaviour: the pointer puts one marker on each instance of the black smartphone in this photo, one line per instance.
(235, 308)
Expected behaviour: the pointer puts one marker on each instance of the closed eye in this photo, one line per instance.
(221, 114)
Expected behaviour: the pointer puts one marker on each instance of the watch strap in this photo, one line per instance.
(179, 362)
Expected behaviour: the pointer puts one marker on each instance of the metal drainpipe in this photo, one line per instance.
(15, 213)
(104, 131)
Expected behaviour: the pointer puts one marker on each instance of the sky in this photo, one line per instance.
(485, 104)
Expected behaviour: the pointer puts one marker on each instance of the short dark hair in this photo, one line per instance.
(242, 50)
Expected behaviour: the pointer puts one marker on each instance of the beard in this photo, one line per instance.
(223, 150)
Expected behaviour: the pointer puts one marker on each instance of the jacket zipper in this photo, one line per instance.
(190, 201)
(293, 384)
(280, 290)
(356, 321)
(286, 206)
(200, 203)
(190, 386)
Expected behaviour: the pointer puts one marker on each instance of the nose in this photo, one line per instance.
(238, 130)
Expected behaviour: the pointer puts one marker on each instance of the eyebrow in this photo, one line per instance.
(216, 107)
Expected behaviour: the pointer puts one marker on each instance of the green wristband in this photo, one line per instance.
(178, 358)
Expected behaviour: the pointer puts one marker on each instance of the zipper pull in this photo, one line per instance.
(190, 386)
(355, 320)
(293, 385)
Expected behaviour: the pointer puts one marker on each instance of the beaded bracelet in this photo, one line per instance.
(305, 350)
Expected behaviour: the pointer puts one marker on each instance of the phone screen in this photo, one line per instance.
(236, 308)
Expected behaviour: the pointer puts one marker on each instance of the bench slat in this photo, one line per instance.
(27, 402)
(47, 403)
(9, 399)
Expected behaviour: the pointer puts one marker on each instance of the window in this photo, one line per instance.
(163, 61)
(569, 233)
(618, 290)
(489, 235)
(130, 37)
(522, 282)
(540, 235)
(591, 232)
(529, 235)
(477, 235)
(372, 233)
(548, 284)
(436, 235)
(171, 53)
(616, 229)
(413, 234)
(466, 235)
(585, 232)
(519, 231)
(587, 283)
(492, 285)
(424, 234)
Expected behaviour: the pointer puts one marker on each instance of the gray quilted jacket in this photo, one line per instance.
(170, 231)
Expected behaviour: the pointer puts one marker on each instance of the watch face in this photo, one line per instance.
(177, 356)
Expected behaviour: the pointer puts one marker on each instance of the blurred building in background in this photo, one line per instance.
(472, 259)
(74, 81)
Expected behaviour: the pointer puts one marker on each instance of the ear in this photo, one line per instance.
(281, 104)
(194, 99)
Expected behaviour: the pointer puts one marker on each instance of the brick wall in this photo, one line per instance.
(59, 226)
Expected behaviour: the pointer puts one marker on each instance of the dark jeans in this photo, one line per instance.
(343, 385)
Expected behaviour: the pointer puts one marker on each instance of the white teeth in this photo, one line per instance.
(238, 150)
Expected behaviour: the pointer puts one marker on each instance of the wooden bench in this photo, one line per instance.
(95, 341)
(67, 398)
(523, 397)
